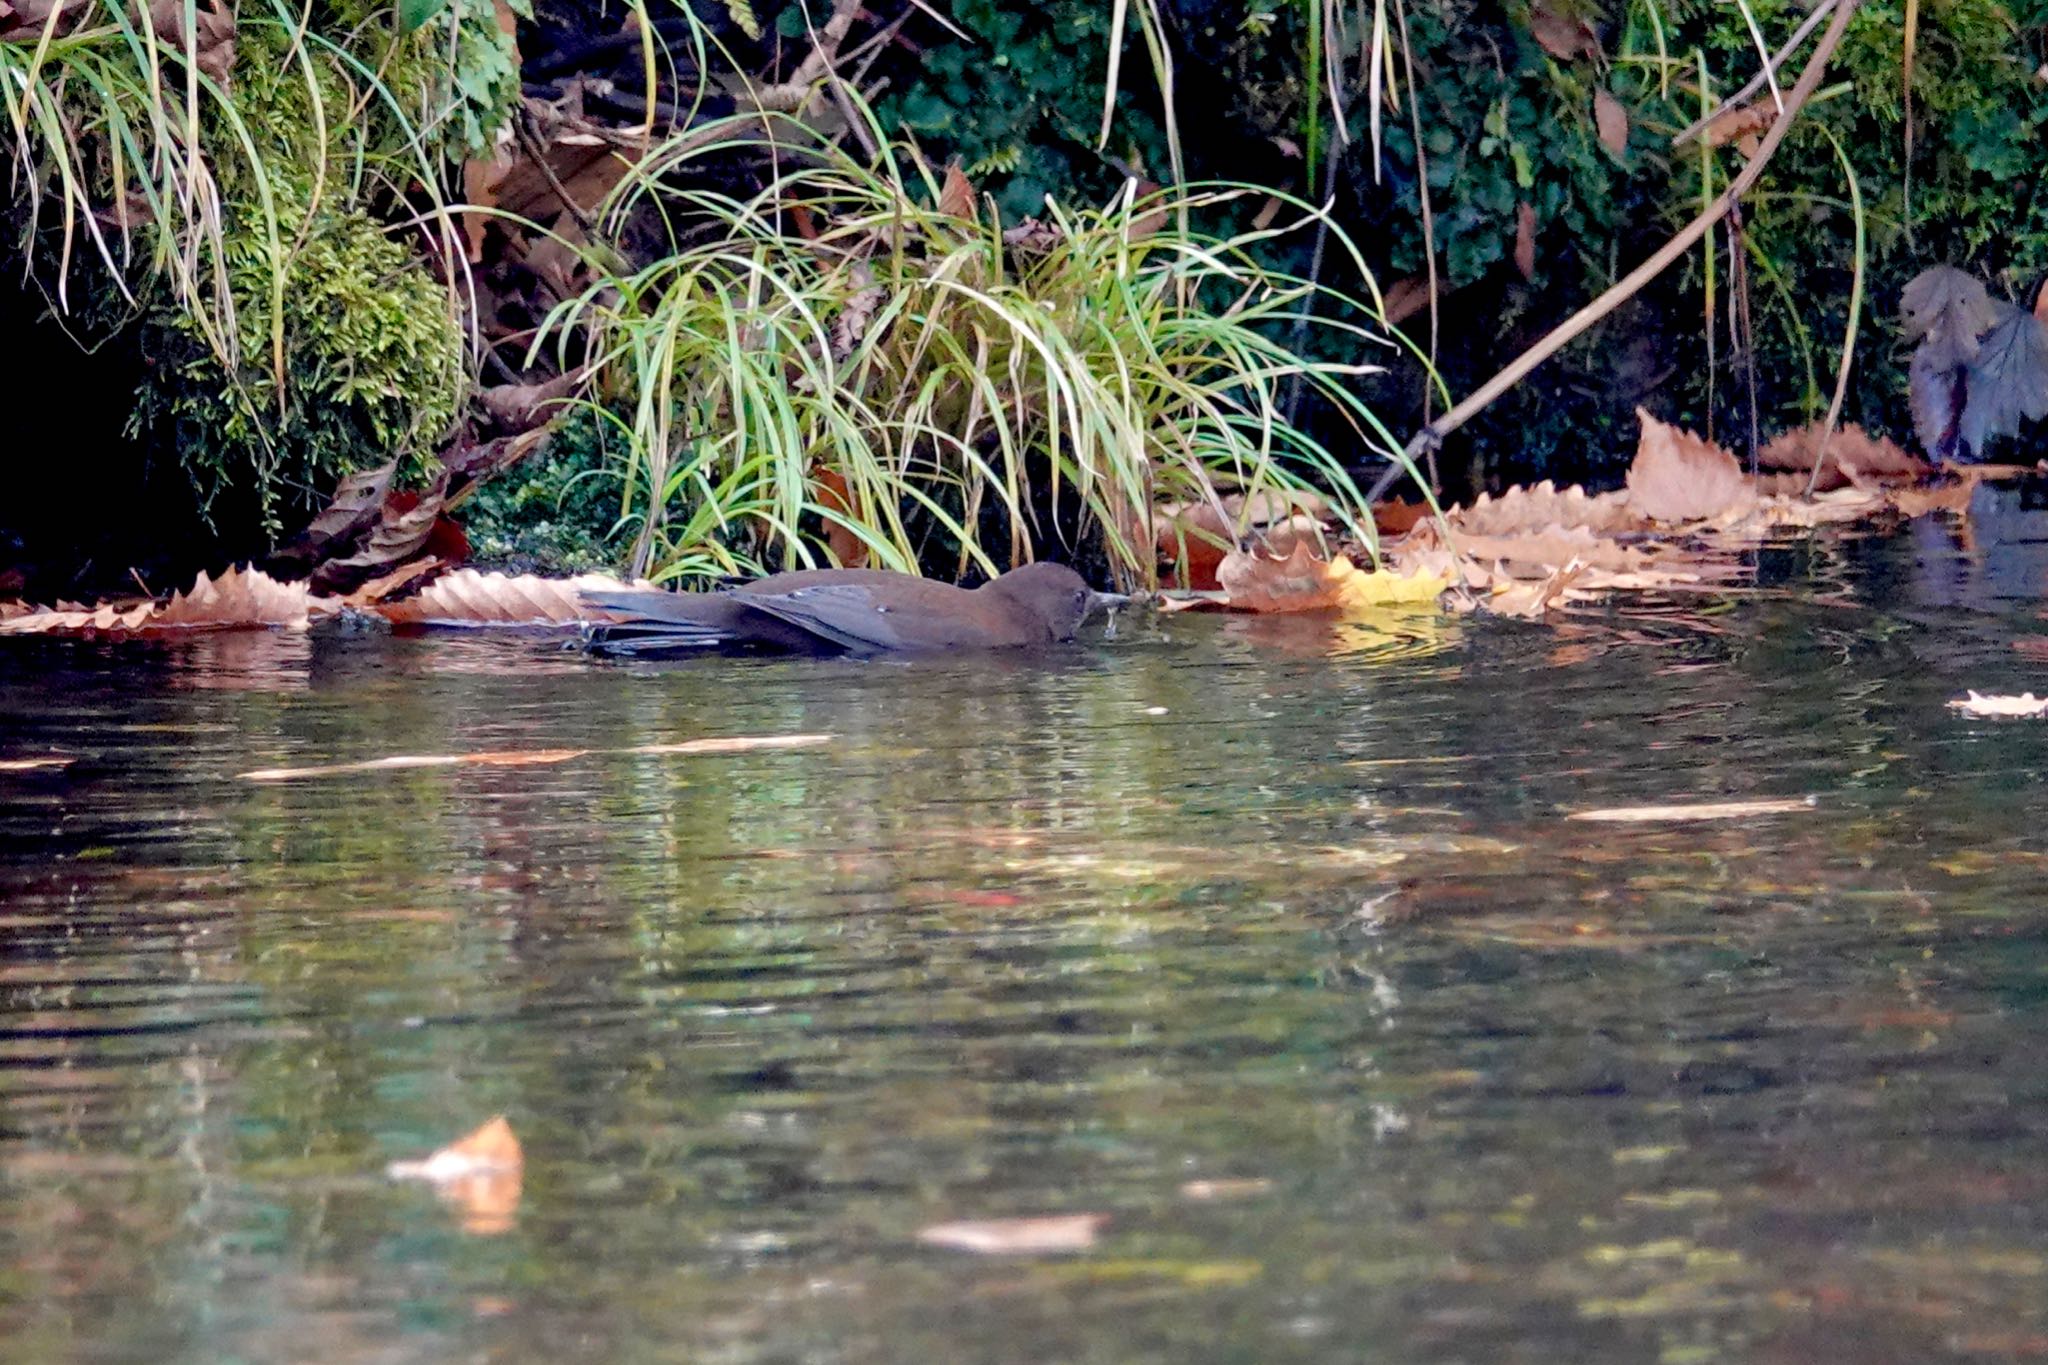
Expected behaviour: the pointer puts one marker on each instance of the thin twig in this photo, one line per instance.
(1629, 286)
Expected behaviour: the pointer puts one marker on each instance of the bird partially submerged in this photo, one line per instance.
(854, 611)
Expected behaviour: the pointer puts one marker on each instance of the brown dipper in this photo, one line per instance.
(854, 611)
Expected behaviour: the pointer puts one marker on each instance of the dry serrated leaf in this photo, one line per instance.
(1680, 477)
(240, 599)
(469, 598)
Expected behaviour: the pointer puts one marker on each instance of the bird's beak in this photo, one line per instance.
(1106, 604)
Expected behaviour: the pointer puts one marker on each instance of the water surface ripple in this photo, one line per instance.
(1283, 906)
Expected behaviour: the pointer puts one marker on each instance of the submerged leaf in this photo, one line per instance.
(480, 1176)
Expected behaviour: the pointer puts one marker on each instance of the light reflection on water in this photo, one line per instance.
(1224, 900)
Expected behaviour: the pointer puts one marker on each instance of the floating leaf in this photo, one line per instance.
(1678, 476)
(33, 765)
(1018, 1236)
(240, 599)
(1990, 704)
(469, 598)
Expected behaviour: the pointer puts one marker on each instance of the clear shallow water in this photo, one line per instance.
(1253, 901)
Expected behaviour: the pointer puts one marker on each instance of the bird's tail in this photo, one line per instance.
(651, 621)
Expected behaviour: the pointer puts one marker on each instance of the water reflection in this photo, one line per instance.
(1282, 909)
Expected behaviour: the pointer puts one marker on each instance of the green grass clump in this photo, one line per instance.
(983, 400)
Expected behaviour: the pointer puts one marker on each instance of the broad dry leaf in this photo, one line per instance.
(1950, 495)
(956, 196)
(480, 1176)
(240, 599)
(469, 598)
(1302, 581)
(350, 513)
(1853, 456)
(1564, 36)
(1530, 599)
(1544, 507)
(1998, 704)
(377, 589)
(1679, 477)
(1611, 120)
(1018, 1236)
(1683, 813)
(1193, 537)
(405, 523)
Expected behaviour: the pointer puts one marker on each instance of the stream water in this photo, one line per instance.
(1271, 940)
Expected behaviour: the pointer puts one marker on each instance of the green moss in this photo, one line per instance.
(556, 512)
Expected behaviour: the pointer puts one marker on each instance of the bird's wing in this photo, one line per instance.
(651, 621)
(852, 616)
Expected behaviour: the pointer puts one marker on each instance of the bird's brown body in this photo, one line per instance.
(857, 611)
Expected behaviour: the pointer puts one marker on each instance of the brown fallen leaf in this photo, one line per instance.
(1302, 581)
(405, 524)
(469, 598)
(240, 599)
(348, 516)
(1678, 477)
(377, 589)
(1018, 1236)
(957, 198)
(1564, 36)
(1525, 239)
(1544, 507)
(1687, 814)
(1998, 704)
(1193, 537)
(33, 765)
(1611, 120)
(1853, 456)
(480, 1176)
